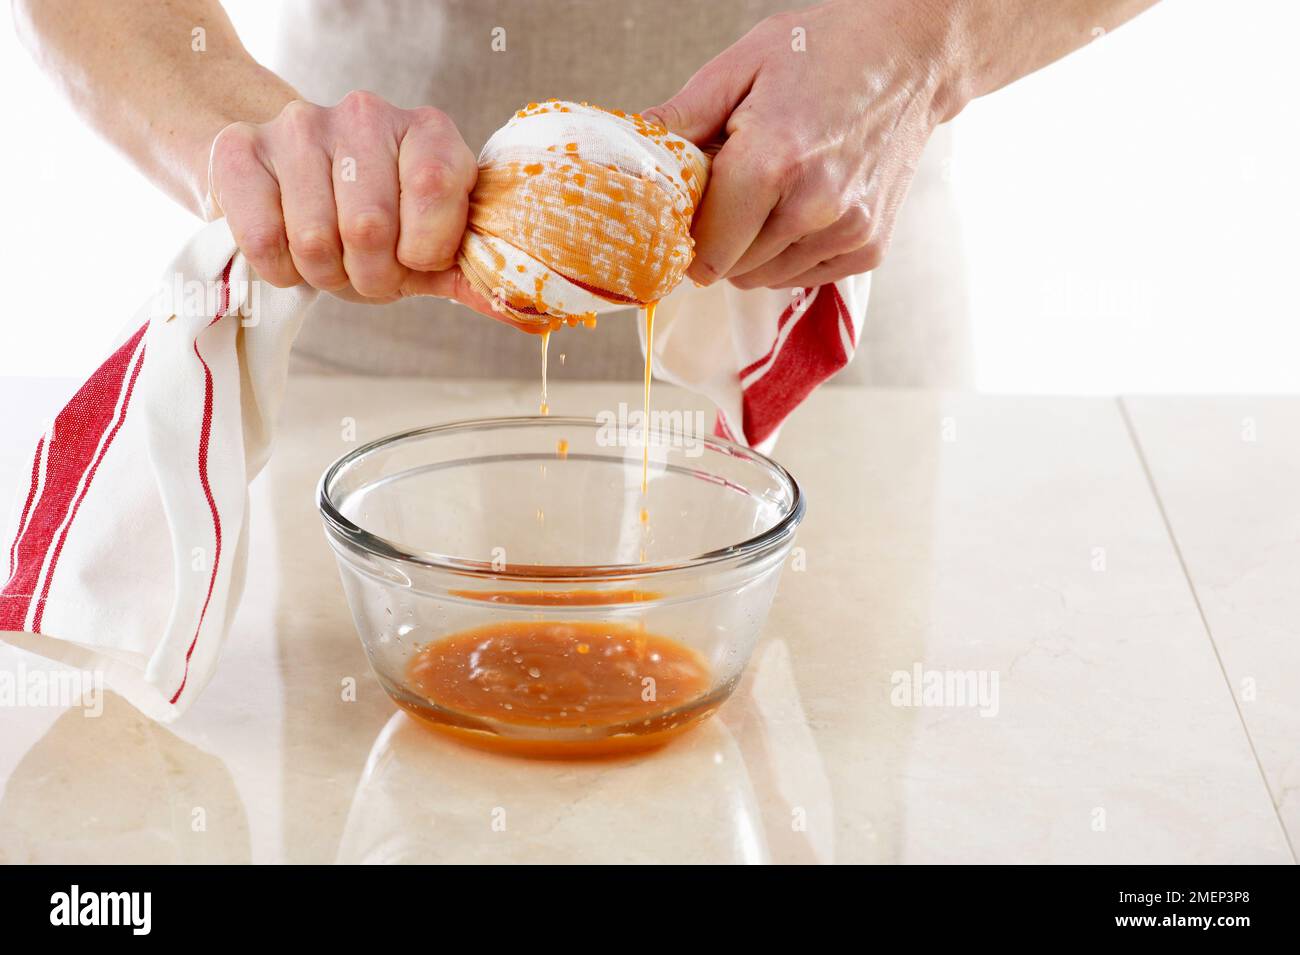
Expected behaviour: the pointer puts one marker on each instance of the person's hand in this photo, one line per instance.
(824, 113)
(363, 200)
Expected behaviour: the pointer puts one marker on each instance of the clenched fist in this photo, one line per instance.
(362, 199)
(822, 115)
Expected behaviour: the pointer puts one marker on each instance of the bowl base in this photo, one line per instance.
(592, 742)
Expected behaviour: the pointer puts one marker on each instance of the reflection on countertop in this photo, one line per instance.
(957, 534)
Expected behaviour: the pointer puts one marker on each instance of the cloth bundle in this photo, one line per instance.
(127, 546)
(580, 210)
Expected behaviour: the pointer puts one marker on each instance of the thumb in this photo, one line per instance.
(452, 284)
(449, 283)
(700, 110)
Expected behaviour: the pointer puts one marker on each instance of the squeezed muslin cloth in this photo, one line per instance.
(129, 537)
(580, 210)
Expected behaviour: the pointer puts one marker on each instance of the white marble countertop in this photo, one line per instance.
(1126, 570)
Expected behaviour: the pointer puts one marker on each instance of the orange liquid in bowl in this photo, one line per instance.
(584, 688)
(560, 688)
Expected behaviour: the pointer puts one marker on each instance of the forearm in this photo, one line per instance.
(990, 43)
(132, 70)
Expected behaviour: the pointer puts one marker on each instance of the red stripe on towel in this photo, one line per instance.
(27, 505)
(811, 353)
(780, 324)
(205, 435)
(71, 455)
(720, 427)
(85, 487)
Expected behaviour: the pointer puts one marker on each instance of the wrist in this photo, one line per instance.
(252, 97)
(943, 30)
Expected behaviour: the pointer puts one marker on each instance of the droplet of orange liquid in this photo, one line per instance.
(546, 347)
(645, 516)
(562, 448)
(649, 351)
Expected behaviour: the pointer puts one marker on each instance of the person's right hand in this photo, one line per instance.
(363, 200)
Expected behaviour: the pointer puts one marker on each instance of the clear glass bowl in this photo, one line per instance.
(515, 526)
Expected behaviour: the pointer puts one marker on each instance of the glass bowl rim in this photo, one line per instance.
(758, 545)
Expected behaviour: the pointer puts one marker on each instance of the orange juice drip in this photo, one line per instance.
(626, 688)
(649, 351)
(546, 347)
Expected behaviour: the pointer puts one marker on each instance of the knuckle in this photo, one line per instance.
(236, 147)
(299, 115)
(858, 226)
(361, 104)
(871, 256)
(369, 231)
(427, 257)
(262, 245)
(431, 180)
(431, 117)
(812, 215)
(769, 166)
(314, 244)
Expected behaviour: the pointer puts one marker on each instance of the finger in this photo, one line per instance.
(700, 109)
(850, 233)
(865, 259)
(436, 172)
(307, 198)
(795, 220)
(452, 284)
(248, 193)
(744, 186)
(366, 194)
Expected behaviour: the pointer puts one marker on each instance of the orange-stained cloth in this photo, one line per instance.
(580, 210)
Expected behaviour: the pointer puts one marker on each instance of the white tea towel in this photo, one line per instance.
(129, 535)
(757, 354)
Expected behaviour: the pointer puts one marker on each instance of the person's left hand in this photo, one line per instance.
(825, 113)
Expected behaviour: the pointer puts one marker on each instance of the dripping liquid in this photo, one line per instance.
(649, 351)
(563, 688)
(546, 348)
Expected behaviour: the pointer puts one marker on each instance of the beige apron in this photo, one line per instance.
(628, 54)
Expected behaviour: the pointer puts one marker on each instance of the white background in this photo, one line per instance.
(1129, 214)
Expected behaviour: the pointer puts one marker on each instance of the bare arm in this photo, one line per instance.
(995, 42)
(825, 112)
(361, 199)
(132, 70)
